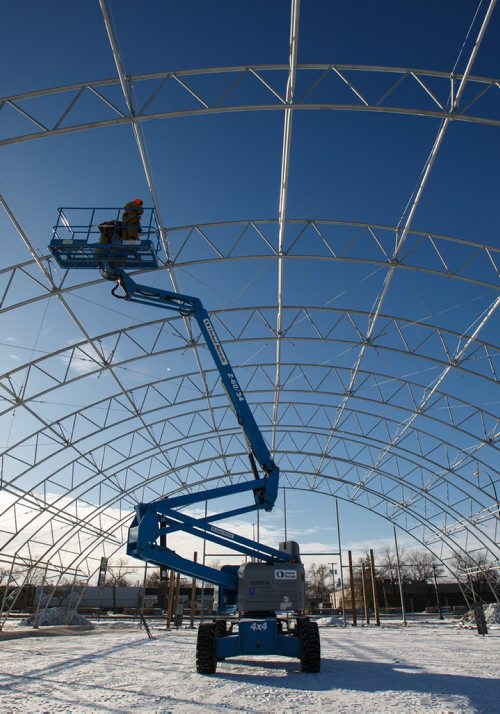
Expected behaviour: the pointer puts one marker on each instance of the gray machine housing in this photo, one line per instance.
(275, 586)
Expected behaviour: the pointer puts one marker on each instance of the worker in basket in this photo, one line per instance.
(131, 219)
(110, 230)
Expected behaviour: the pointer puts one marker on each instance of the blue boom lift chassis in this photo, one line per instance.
(273, 581)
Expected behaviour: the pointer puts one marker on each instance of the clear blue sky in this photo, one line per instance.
(344, 165)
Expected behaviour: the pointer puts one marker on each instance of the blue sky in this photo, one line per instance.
(344, 166)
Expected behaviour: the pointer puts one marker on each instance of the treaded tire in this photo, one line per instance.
(206, 658)
(310, 647)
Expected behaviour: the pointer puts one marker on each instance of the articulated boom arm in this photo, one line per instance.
(71, 248)
(265, 495)
(162, 517)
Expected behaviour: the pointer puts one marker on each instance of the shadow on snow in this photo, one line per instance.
(362, 676)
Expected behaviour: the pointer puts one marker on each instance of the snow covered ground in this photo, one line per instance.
(436, 667)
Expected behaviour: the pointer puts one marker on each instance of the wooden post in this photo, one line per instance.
(170, 598)
(193, 595)
(353, 594)
(374, 589)
(365, 600)
(177, 593)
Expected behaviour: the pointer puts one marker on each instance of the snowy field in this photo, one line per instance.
(433, 667)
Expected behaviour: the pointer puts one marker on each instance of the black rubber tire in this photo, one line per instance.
(310, 647)
(206, 658)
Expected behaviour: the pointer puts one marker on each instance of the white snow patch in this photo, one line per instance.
(436, 668)
(55, 616)
(492, 614)
(331, 621)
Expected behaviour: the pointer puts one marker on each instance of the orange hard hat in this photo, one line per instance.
(138, 200)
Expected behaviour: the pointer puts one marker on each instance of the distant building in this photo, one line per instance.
(116, 599)
(417, 597)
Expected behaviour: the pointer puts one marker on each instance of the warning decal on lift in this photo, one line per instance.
(285, 574)
(215, 341)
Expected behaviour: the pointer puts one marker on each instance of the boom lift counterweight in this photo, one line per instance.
(273, 581)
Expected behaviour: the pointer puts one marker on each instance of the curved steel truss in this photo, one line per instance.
(202, 92)
(364, 393)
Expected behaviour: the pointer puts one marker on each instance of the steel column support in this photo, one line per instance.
(285, 166)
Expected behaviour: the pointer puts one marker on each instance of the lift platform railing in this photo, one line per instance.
(78, 236)
(83, 223)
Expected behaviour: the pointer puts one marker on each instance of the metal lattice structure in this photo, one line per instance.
(361, 402)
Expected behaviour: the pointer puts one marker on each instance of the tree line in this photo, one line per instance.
(416, 567)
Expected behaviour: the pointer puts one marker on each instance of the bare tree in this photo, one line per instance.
(387, 563)
(421, 566)
(117, 574)
(117, 577)
(153, 579)
(317, 582)
(29, 574)
(387, 572)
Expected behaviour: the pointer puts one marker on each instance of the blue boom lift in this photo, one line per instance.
(268, 591)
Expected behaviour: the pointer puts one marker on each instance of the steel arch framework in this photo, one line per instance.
(430, 92)
(385, 423)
